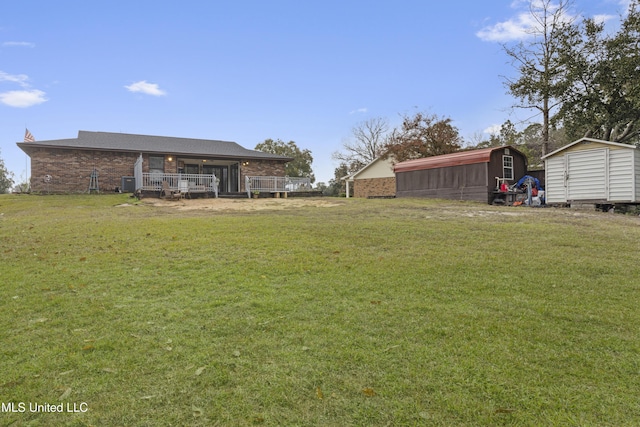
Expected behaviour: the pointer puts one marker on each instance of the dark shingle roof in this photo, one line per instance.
(155, 144)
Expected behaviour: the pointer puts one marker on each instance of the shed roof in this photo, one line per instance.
(110, 141)
(583, 140)
(482, 155)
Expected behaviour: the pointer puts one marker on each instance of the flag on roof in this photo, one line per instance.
(28, 137)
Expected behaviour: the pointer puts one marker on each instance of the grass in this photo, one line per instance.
(373, 312)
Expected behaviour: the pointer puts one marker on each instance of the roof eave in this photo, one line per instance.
(245, 156)
(585, 139)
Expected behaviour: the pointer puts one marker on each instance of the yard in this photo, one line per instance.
(326, 312)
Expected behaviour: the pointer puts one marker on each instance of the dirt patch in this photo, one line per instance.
(241, 204)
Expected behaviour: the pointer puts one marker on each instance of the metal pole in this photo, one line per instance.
(529, 182)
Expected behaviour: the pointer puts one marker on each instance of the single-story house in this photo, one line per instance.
(593, 171)
(464, 175)
(107, 162)
(376, 179)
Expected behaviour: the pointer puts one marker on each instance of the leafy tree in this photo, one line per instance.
(22, 187)
(302, 159)
(336, 185)
(423, 135)
(528, 141)
(603, 100)
(368, 143)
(541, 83)
(6, 178)
(321, 186)
(508, 135)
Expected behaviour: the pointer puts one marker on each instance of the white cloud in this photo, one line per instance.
(21, 79)
(513, 29)
(603, 19)
(493, 129)
(625, 4)
(23, 98)
(523, 24)
(20, 98)
(19, 44)
(359, 110)
(146, 88)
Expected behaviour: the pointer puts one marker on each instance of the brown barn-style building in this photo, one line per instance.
(67, 165)
(464, 175)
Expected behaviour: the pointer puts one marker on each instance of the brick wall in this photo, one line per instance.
(374, 187)
(70, 170)
(260, 168)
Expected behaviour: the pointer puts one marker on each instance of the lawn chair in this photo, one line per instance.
(184, 187)
(168, 193)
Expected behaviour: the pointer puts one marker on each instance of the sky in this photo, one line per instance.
(248, 70)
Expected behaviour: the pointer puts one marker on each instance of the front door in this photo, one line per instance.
(233, 178)
(221, 172)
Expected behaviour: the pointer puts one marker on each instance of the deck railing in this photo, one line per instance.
(185, 182)
(276, 184)
(208, 183)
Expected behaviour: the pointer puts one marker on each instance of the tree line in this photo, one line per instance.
(578, 78)
(581, 80)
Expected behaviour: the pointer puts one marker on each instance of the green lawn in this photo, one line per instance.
(369, 313)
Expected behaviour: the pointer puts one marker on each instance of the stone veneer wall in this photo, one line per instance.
(70, 169)
(374, 187)
(261, 168)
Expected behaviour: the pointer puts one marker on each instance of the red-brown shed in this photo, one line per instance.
(464, 175)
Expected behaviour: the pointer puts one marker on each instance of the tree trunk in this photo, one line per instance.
(545, 127)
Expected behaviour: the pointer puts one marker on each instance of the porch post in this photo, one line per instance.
(137, 173)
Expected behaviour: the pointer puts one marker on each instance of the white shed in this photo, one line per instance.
(593, 171)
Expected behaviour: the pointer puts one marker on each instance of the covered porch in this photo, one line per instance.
(221, 179)
(186, 183)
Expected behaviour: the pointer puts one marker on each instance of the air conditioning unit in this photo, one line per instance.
(128, 184)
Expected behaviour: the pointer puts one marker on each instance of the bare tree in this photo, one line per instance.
(541, 82)
(367, 144)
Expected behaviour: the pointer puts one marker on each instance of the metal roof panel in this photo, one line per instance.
(482, 155)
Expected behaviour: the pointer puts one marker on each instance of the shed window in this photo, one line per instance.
(507, 167)
(156, 164)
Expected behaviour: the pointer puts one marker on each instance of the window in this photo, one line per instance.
(507, 167)
(192, 168)
(156, 164)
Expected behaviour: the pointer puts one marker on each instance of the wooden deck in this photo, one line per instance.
(186, 184)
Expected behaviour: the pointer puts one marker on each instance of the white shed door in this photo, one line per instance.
(556, 187)
(587, 175)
